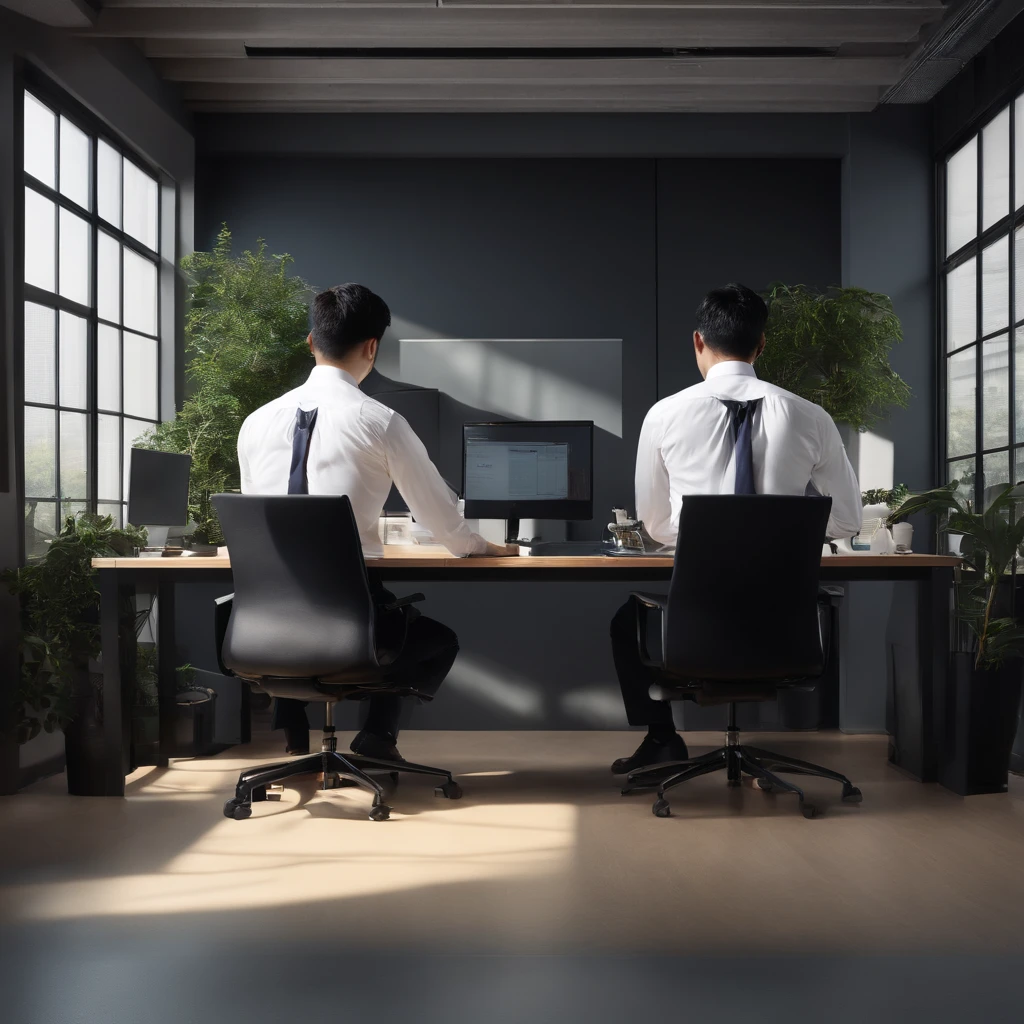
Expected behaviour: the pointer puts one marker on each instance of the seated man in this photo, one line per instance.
(731, 434)
(327, 437)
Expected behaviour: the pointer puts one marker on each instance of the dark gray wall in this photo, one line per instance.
(554, 247)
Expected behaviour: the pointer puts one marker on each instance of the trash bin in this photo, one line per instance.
(194, 717)
(818, 708)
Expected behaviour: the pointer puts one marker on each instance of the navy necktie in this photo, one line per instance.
(742, 414)
(305, 420)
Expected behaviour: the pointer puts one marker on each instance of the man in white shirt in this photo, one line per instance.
(730, 434)
(327, 437)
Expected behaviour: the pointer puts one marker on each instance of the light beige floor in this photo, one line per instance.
(541, 855)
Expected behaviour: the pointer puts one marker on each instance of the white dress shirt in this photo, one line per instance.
(359, 448)
(687, 447)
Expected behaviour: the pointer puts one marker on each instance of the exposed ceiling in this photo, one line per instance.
(569, 55)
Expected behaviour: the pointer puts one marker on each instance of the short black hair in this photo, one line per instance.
(345, 316)
(731, 320)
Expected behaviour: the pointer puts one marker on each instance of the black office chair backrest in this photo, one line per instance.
(302, 605)
(743, 597)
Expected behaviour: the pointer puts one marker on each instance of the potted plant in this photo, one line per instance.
(982, 708)
(832, 347)
(59, 687)
(245, 329)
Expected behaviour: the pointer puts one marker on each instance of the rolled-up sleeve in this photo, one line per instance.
(834, 476)
(429, 498)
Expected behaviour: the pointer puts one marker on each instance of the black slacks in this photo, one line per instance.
(635, 678)
(426, 659)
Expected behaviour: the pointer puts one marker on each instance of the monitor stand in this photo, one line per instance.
(511, 531)
(157, 536)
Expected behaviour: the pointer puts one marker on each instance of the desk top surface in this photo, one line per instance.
(432, 556)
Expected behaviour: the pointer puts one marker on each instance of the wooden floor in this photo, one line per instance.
(542, 855)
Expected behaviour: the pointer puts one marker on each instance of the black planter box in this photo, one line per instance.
(982, 710)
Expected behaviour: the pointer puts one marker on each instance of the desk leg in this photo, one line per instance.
(118, 644)
(167, 684)
(933, 641)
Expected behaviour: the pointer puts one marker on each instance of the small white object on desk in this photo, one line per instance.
(882, 542)
(903, 535)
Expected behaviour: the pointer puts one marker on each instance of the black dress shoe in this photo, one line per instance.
(651, 751)
(371, 744)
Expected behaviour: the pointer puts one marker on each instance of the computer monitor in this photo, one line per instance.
(528, 470)
(158, 490)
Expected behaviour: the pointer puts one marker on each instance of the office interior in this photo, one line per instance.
(542, 228)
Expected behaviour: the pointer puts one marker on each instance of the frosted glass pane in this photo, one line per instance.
(108, 368)
(73, 455)
(995, 167)
(1018, 145)
(133, 430)
(40, 241)
(40, 141)
(110, 509)
(108, 278)
(74, 257)
(963, 472)
(1018, 261)
(75, 164)
(108, 183)
(995, 286)
(962, 196)
(961, 305)
(961, 385)
(40, 526)
(995, 379)
(140, 205)
(72, 510)
(996, 471)
(108, 457)
(40, 452)
(140, 376)
(40, 354)
(1018, 466)
(139, 293)
(74, 381)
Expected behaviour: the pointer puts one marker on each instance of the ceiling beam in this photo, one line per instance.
(560, 25)
(58, 13)
(810, 72)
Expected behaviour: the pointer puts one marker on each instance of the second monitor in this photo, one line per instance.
(528, 470)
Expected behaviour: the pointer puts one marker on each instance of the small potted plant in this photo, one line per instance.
(982, 709)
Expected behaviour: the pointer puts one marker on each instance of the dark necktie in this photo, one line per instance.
(742, 414)
(305, 420)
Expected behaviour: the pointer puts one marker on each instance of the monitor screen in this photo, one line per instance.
(528, 470)
(158, 488)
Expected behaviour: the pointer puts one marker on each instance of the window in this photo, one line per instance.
(91, 317)
(982, 305)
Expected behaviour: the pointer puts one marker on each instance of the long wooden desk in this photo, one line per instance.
(121, 578)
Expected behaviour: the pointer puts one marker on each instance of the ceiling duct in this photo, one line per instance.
(954, 42)
(531, 52)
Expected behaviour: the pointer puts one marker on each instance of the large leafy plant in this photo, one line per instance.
(245, 330)
(832, 348)
(60, 625)
(990, 545)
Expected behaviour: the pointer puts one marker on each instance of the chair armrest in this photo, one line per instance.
(221, 617)
(402, 602)
(647, 604)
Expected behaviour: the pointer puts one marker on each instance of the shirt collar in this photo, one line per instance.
(326, 373)
(731, 368)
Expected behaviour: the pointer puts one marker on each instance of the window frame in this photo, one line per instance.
(1004, 228)
(29, 80)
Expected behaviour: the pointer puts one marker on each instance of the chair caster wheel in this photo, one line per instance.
(380, 812)
(765, 786)
(237, 810)
(661, 808)
(852, 795)
(450, 790)
(808, 810)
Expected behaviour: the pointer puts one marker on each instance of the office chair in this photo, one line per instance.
(302, 624)
(741, 621)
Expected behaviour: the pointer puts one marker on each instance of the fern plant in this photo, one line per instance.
(832, 348)
(245, 328)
